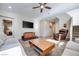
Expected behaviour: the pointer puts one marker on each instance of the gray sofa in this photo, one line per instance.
(10, 46)
(72, 49)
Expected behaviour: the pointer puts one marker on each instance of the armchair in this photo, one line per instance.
(63, 35)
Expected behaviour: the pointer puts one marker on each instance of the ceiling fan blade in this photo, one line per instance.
(45, 3)
(41, 10)
(48, 7)
(40, 4)
(35, 7)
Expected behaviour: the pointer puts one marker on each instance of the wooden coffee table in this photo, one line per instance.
(42, 46)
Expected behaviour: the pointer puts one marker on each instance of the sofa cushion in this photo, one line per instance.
(77, 40)
(14, 51)
(73, 45)
(70, 52)
(53, 41)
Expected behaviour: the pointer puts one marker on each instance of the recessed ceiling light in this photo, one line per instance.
(9, 7)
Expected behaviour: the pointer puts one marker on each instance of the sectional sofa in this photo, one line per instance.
(71, 49)
(10, 46)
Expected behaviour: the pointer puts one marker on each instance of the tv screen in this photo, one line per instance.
(27, 24)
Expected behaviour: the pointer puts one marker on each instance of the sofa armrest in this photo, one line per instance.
(70, 52)
(73, 45)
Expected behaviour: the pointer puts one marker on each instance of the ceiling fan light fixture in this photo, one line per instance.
(42, 6)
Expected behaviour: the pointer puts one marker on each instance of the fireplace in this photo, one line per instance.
(7, 27)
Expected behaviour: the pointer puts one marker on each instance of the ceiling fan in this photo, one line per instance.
(42, 6)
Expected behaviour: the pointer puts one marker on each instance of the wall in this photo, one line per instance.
(37, 26)
(75, 16)
(75, 19)
(17, 23)
(44, 28)
(63, 18)
(41, 27)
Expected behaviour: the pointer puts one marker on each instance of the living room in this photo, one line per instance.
(44, 25)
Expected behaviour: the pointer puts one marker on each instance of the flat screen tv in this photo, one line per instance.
(27, 24)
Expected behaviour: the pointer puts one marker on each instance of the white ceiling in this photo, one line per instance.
(26, 8)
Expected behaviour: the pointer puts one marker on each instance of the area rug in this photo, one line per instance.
(57, 51)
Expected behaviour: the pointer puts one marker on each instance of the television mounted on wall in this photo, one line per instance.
(27, 24)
